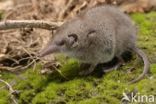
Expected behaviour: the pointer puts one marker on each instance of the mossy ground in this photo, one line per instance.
(53, 89)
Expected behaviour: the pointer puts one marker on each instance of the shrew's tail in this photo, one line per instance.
(146, 69)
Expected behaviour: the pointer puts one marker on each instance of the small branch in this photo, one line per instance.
(9, 69)
(8, 85)
(36, 7)
(66, 9)
(13, 24)
(12, 11)
(10, 90)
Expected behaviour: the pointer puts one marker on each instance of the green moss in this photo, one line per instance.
(26, 96)
(153, 68)
(4, 97)
(108, 89)
(146, 23)
(147, 33)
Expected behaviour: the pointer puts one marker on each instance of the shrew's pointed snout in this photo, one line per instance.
(48, 50)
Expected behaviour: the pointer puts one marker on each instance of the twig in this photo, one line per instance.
(36, 7)
(13, 24)
(15, 9)
(10, 69)
(78, 8)
(10, 90)
(61, 74)
(65, 10)
(29, 64)
(33, 58)
(3, 57)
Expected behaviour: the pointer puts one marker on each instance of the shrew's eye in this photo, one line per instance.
(72, 40)
(73, 37)
(91, 33)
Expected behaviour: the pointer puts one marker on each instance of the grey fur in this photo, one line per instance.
(97, 36)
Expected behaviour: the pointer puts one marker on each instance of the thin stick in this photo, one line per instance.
(15, 9)
(7, 68)
(36, 7)
(65, 10)
(13, 24)
(10, 90)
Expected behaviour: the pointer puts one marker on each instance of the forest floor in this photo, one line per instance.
(35, 88)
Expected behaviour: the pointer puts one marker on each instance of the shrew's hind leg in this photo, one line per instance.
(119, 63)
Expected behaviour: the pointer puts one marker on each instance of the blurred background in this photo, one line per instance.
(18, 49)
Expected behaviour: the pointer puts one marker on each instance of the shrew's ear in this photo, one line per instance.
(72, 40)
